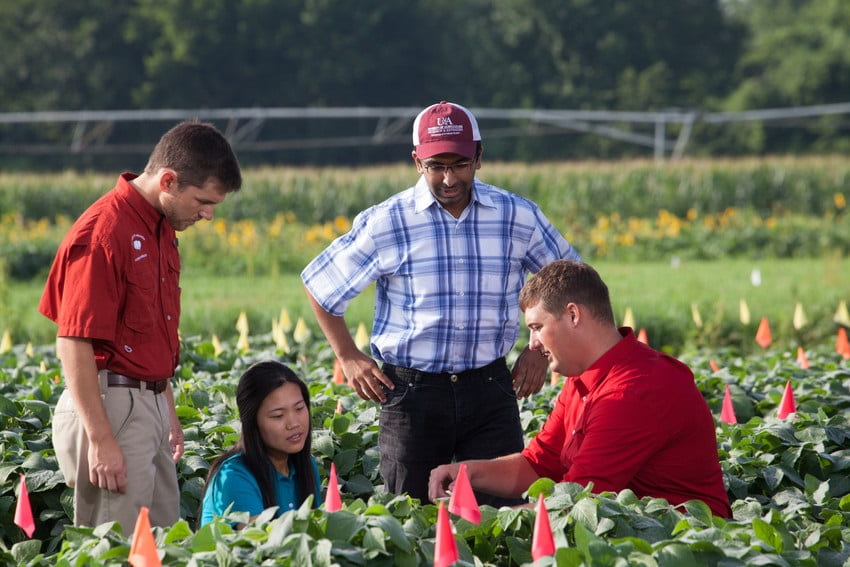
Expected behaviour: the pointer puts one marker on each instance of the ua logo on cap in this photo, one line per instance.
(444, 120)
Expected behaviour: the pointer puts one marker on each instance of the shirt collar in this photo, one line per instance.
(596, 372)
(423, 198)
(137, 202)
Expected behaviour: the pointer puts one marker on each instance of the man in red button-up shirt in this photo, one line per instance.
(113, 291)
(628, 416)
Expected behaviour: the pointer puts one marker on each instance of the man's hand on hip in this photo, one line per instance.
(529, 373)
(366, 378)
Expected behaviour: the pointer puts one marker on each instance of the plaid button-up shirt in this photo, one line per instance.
(447, 291)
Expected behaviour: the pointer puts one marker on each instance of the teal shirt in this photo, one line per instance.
(234, 484)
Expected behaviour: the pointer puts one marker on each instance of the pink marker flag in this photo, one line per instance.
(842, 344)
(727, 412)
(763, 336)
(445, 548)
(333, 502)
(787, 405)
(143, 551)
(23, 510)
(338, 376)
(542, 543)
(642, 337)
(802, 359)
(463, 502)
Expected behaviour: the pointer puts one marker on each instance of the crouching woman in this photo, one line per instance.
(271, 464)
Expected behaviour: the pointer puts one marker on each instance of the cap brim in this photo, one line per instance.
(465, 149)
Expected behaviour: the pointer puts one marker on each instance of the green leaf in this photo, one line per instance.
(569, 557)
(509, 518)
(376, 510)
(393, 528)
(519, 549)
(200, 398)
(585, 512)
(345, 461)
(7, 470)
(675, 555)
(178, 532)
(323, 446)
(542, 485)
(39, 408)
(187, 414)
(194, 463)
(323, 552)
(299, 546)
(359, 485)
(583, 538)
(375, 540)
(766, 533)
(772, 477)
(699, 510)
(369, 415)
(206, 537)
(627, 498)
(605, 525)
(340, 423)
(343, 525)
(350, 440)
(637, 543)
(8, 407)
(351, 553)
(26, 551)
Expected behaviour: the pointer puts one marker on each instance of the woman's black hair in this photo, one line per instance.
(258, 381)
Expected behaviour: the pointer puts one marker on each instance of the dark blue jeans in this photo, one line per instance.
(433, 419)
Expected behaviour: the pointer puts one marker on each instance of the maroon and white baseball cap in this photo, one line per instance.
(445, 128)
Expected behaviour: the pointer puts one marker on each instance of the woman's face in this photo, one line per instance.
(284, 421)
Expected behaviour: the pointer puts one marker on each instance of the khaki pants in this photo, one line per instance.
(140, 423)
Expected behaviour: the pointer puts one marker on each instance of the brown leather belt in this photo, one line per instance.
(121, 381)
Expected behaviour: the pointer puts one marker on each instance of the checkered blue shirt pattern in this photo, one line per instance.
(446, 297)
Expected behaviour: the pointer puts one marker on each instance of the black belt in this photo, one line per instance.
(121, 381)
(498, 366)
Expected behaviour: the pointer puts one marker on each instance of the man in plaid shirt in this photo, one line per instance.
(449, 257)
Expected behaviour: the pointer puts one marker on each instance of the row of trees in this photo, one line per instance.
(575, 54)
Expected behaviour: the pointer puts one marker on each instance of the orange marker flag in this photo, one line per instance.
(802, 359)
(786, 404)
(339, 377)
(763, 337)
(445, 548)
(463, 502)
(143, 551)
(642, 336)
(333, 501)
(714, 367)
(23, 510)
(542, 543)
(842, 345)
(727, 412)
(555, 379)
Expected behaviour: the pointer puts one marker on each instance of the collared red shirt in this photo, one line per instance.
(635, 419)
(234, 486)
(115, 280)
(447, 289)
